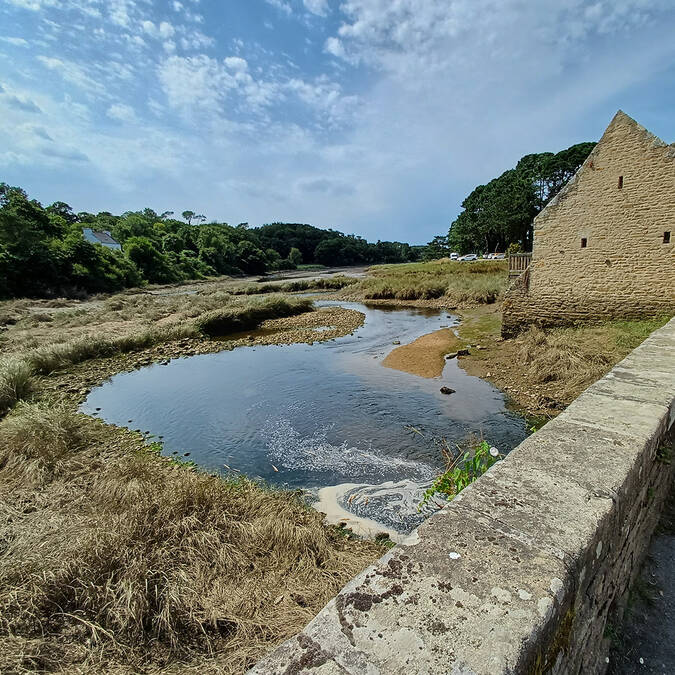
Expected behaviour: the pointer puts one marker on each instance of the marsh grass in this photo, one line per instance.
(578, 355)
(37, 439)
(458, 283)
(252, 314)
(329, 283)
(16, 381)
(137, 565)
(115, 559)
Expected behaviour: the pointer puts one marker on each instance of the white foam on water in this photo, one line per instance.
(287, 448)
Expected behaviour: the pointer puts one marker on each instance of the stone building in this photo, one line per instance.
(604, 247)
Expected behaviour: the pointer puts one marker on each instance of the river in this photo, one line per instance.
(327, 418)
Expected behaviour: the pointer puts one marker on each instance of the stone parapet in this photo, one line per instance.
(519, 573)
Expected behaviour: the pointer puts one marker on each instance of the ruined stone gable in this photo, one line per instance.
(604, 247)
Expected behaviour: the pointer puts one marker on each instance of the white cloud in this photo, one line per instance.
(281, 5)
(73, 73)
(121, 112)
(334, 46)
(33, 5)
(319, 7)
(16, 41)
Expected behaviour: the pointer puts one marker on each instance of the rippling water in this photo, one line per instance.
(310, 416)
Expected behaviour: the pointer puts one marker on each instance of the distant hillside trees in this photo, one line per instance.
(43, 252)
(501, 212)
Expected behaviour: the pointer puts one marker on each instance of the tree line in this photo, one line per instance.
(43, 251)
(499, 215)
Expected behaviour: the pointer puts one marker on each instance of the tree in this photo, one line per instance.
(500, 213)
(437, 248)
(250, 258)
(295, 257)
(192, 216)
(153, 264)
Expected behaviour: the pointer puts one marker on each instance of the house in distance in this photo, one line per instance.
(604, 247)
(102, 237)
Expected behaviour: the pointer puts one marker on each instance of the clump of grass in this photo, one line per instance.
(244, 317)
(47, 359)
(329, 283)
(16, 381)
(37, 439)
(458, 283)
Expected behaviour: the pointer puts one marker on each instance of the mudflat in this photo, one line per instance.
(425, 356)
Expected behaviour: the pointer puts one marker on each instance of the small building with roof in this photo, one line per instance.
(102, 237)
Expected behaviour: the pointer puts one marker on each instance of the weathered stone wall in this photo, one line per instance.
(519, 573)
(626, 270)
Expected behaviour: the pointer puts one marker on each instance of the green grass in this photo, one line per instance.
(458, 283)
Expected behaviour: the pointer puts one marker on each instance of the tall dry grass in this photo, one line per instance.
(16, 381)
(570, 359)
(458, 283)
(129, 564)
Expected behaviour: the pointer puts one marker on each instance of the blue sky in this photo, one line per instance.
(374, 117)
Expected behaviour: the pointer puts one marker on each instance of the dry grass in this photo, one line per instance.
(578, 356)
(16, 381)
(37, 440)
(457, 283)
(128, 563)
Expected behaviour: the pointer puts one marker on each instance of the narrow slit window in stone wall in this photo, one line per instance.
(666, 237)
(620, 182)
(584, 242)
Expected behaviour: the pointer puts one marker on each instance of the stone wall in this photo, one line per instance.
(519, 573)
(625, 270)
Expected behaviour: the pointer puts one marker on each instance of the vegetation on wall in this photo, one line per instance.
(43, 251)
(500, 213)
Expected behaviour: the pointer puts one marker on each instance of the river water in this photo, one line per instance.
(318, 416)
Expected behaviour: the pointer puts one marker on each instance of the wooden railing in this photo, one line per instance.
(518, 263)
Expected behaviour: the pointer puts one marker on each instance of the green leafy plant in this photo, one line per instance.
(462, 470)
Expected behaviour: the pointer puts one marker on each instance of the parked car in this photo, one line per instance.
(454, 256)
(499, 256)
(468, 257)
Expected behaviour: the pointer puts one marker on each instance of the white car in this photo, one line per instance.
(454, 256)
(468, 257)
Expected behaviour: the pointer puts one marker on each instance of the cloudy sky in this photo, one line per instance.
(370, 116)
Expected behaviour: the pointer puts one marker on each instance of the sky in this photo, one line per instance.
(373, 117)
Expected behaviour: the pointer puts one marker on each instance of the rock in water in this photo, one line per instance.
(447, 390)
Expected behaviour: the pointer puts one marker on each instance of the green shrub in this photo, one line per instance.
(462, 471)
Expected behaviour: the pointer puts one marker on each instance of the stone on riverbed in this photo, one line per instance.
(447, 390)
